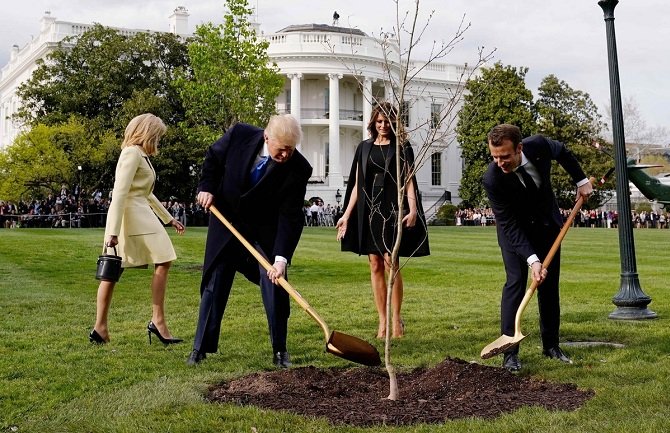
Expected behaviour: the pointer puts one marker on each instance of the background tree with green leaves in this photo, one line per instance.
(231, 78)
(499, 95)
(569, 116)
(46, 157)
(102, 79)
(106, 78)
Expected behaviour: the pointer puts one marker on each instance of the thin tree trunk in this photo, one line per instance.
(394, 265)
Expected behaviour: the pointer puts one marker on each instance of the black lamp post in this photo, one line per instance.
(338, 196)
(631, 301)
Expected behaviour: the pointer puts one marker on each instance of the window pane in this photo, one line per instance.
(435, 111)
(436, 168)
(404, 113)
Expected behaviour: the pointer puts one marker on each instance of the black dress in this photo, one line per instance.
(373, 224)
(379, 212)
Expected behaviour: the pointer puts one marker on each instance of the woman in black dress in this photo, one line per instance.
(369, 222)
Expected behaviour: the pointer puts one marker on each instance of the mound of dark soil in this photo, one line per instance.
(452, 389)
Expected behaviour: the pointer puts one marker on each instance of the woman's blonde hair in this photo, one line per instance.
(144, 130)
(284, 128)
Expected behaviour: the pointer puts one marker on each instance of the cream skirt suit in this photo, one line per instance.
(134, 212)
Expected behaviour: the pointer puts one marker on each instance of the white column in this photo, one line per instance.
(295, 94)
(367, 104)
(335, 171)
(3, 126)
(388, 92)
(295, 98)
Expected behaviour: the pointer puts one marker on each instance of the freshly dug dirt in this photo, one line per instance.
(450, 390)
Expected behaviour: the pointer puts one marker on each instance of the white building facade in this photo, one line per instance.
(327, 70)
(340, 70)
(23, 61)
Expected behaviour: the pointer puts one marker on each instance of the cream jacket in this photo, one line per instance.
(133, 211)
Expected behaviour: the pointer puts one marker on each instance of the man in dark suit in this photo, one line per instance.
(258, 180)
(528, 221)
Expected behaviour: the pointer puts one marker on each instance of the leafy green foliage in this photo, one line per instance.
(93, 75)
(103, 78)
(46, 157)
(644, 206)
(446, 215)
(560, 112)
(498, 96)
(232, 78)
(569, 116)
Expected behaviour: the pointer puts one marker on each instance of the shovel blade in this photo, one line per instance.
(501, 345)
(353, 349)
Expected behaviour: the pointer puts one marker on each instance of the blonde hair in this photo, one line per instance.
(284, 128)
(144, 130)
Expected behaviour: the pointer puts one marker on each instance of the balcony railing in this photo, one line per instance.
(314, 113)
(351, 115)
(322, 113)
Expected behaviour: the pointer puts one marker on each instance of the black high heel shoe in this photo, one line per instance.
(151, 329)
(96, 338)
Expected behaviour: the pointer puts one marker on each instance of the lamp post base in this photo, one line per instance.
(632, 313)
(631, 302)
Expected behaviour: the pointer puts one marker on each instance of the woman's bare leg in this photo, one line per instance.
(103, 302)
(158, 288)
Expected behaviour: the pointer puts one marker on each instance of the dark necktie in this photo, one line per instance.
(259, 170)
(531, 186)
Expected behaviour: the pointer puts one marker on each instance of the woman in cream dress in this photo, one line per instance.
(133, 225)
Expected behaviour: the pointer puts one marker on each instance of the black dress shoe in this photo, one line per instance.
(196, 357)
(511, 362)
(556, 353)
(281, 360)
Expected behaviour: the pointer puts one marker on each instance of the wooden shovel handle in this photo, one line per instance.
(547, 260)
(266, 265)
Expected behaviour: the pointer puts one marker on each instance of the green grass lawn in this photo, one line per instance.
(53, 380)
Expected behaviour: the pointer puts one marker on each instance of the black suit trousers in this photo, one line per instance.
(515, 287)
(215, 290)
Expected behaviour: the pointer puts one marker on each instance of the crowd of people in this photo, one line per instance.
(656, 219)
(56, 210)
(316, 214)
(76, 211)
(82, 210)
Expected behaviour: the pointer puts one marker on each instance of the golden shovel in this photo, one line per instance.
(345, 346)
(505, 342)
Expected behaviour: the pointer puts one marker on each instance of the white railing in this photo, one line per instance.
(355, 47)
(326, 43)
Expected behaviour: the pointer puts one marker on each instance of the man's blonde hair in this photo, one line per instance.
(284, 128)
(145, 130)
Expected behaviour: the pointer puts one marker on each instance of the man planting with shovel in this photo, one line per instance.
(528, 221)
(258, 179)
